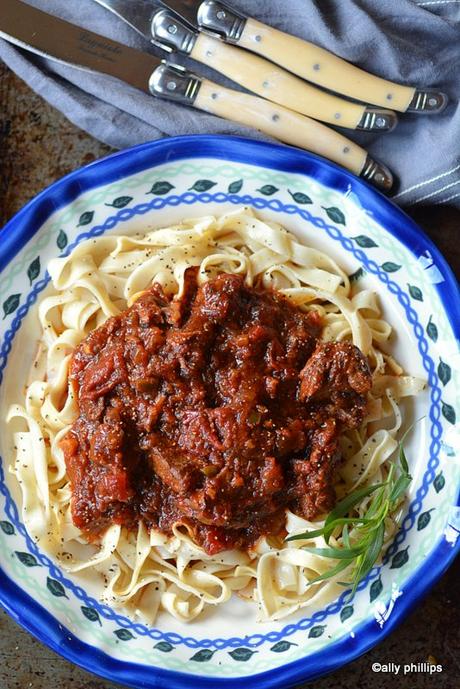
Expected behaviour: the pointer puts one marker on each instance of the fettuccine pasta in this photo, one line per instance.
(144, 572)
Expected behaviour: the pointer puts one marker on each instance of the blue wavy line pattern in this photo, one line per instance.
(415, 507)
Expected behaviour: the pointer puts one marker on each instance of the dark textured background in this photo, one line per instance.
(37, 146)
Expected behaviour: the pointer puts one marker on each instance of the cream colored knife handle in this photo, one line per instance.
(275, 84)
(290, 127)
(314, 63)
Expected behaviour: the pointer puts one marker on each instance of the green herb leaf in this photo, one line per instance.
(335, 214)
(203, 656)
(235, 187)
(364, 242)
(338, 553)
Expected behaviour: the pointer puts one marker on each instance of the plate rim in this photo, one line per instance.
(31, 217)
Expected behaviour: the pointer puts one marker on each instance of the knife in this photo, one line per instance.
(306, 59)
(170, 31)
(59, 40)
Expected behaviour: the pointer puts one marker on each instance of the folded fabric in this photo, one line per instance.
(414, 43)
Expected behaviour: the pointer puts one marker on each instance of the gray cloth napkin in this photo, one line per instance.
(411, 42)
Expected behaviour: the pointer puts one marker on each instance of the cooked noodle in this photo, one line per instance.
(145, 572)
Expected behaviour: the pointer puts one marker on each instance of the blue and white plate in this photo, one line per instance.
(328, 208)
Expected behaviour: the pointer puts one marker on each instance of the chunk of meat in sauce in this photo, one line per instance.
(218, 410)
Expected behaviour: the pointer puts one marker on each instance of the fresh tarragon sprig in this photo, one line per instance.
(369, 530)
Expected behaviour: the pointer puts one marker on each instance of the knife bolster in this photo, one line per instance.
(218, 18)
(172, 33)
(174, 83)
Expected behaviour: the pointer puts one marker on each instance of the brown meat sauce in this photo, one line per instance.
(217, 410)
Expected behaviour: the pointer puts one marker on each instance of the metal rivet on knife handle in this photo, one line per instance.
(374, 120)
(220, 19)
(170, 32)
(428, 102)
(174, 83)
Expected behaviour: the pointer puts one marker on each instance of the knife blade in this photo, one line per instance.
(306, 59)
(56, 39)
(168, 30)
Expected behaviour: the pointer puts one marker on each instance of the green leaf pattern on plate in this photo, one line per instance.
(346, 612)
(268, 190)
(120, 202)
(33, 271)
(202, 185)
(27, 559)
(375, 589)
(448, 413)
(11, 304)
(7, 528)
(439, 482)
(123, 634)
(202, 656)
(432, 330)
(400, 559)
(364, 242)
(444, 372)
(56, 588)
(282, 646)
(390, 267)
(235, 187)
(242, 654)
(316, 631)
(424, 519)
(62, 240)
(161, 188)
(164, 646)
(415, 292)
(85, 218)
(299, 197)
(335, 214)
(91, 614)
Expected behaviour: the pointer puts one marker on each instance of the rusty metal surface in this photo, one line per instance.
(37, 146)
